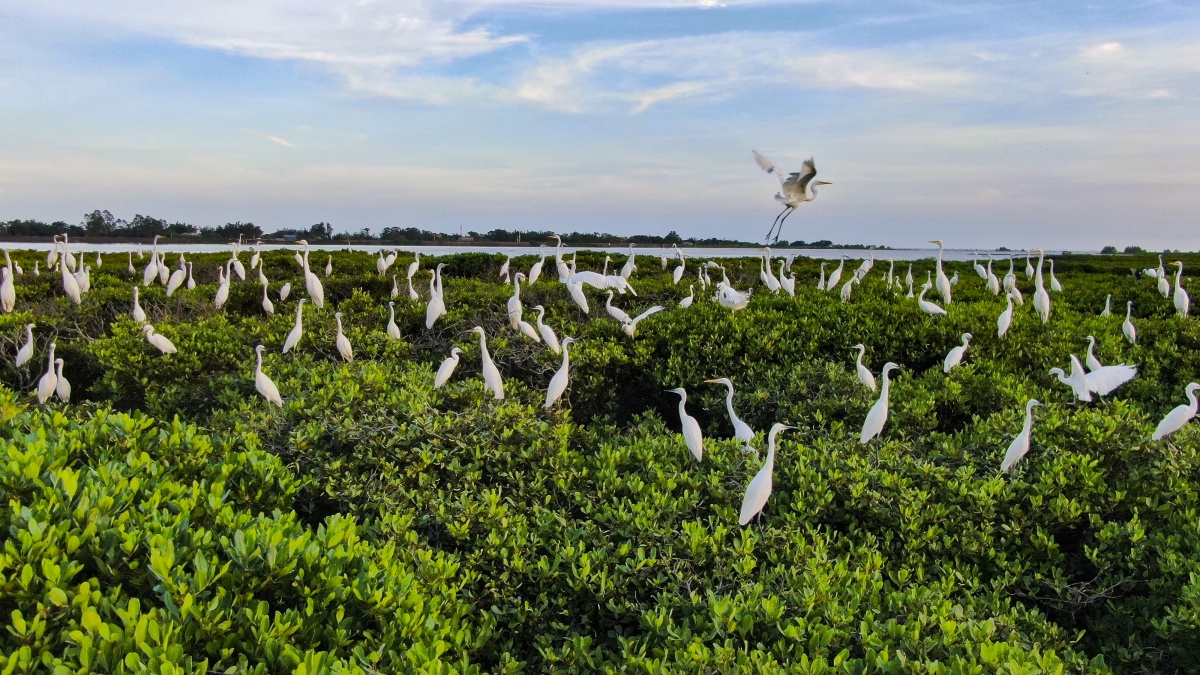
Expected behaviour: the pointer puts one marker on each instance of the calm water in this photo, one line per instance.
(619, 252)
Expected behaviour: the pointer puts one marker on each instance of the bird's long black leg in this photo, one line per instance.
(776, 221)
(780, 231)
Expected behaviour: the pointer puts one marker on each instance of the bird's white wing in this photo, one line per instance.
(798, 182)
(770, 167)
(652, 310)
(1104, 380)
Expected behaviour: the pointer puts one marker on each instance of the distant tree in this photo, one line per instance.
(1109, 249)
(1134, 249)
(232, 230)
(672, 238)
(99, 223)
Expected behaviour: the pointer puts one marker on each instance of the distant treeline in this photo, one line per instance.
(101, 224)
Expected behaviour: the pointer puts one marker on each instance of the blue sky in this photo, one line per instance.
(1055, 124)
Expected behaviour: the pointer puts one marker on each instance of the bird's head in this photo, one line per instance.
(568, 341)
(936, 241)
(1032, 402)
(721, 380)
(147, 329)
(539, 309)
(1057, 371)
(890, 366)
(477, 329)
(824, 182)
(677, 390)
(967, 336)
(860, 346)
(337, 315)
(455, 351)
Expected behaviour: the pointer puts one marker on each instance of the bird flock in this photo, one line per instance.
(1085, 379)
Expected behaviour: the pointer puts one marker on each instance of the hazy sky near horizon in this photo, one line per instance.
(1059, 124)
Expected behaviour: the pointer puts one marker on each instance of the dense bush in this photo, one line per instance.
(586, 537)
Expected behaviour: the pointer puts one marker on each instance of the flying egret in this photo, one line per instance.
(138, 314)
(285, 290)
(1107, 311)
(491, 374)
(878, 414)
(159, 342)
(558, 383)
(864, 373)
(1041, 299)
(535, 272)
(1128, 328)
(62, 388)
(1107, 378)
(393, 330)
(25, 353)
(835, 276)
(446, 370)
(1077, 381)
(546, 332)
(689, 427)
(1179, 416)
(1054, 285)
(341, 341)
(925, 305)
(1020, 444)
(1182, 301)
(262, 383)
(630, 325)
(297, 332)
(955, 356)
(1004, 321)
(943, 284)
(49, 380)
(687, 302)
(615, 312)
(759, 489)
(794, 189)
(741, 430)
(267, 305)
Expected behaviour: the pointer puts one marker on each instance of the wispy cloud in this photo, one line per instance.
(277, 140)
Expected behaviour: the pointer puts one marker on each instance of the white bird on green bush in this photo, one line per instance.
(1004, 321)
(821, 281)
(630, 265)
(864, 373)
(1028, 266)
(491, 374)
(395, 287)
(1107, 311)
(297, 332)
(329, 267)
(177, 278)
(691, 296)
(759, 490)
(1077, 380)
(1041, 299)
(678, 273)
(535, 270)
(787, 283)
(1107, 378)
(835, 276)
(48, 380)
(437, 306)
(312, 284)
(927, 306)
(138, 314)
(558, 383)
(70, 285)
(615, 312)
(159, 342)
(741, 430)
(62, 388)
(978, 267)
(25, 353)
(731, 298)
(525, 328)
(515, 311)
(942, 283)
(265, 385)
(545, 331)
(222, 287)
(689, 427)
(1128, 328)
(393, 330)
(1090, 359)
(504, 267)
(993, 283)
(847, 287)
(1181, 299)
(1010, 279)
(446, 370)
(285, 290)
(1054, 285)
(1020, 444)
(151, 271)
(131, 270)
(1164, 286)
(412, 292)
(1179, 416)
(878, 414)
(191, 283)
(267, 305)
(956, 355)
(630, 326)
(575, 288)
(341, 341)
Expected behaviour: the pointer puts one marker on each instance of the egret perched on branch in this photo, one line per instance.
(262, 383)
(1077, 381)
(927, 306)
(835, 276)
(1041, 299)
(138, 314)
(25, 353)
(393, 331)
(160, 342)
(1182, 301)
(794, 189)
(878, 414)
(759, 490)
(942, 283)
(546, 332)
(1005, 319)
(1020, 444)
(1107, 306)
(864, 373)
(955, 356)
(689, 427)
(445, 370)
(297, 332)
(741, 430)
(341, 341)
(1128, 328)
(49, 380)
(491, 374)
(1178, 417)
(558, 383)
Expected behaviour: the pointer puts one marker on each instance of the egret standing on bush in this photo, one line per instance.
(741, 430)
(264, 384)
(878, 414)
(955, 356)
(1178, 417)
(491, 374)
(689, 427)
(1020, 444)
(446, 370)
(759, 490)
(864, 373)
(558, 383)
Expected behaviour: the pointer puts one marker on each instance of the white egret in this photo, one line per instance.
(446, 370)
(412, 292)
(769, 279)
(925, 305)
(630, 326)
(83, 276)
(1107, 378)
(312, 283)
(130, 269)
(414, 265)
(491, 374)
(48, 380)
(235, 265)
(36, 272)
(1182, 301)
(393, 330)
(535, 271)
(222, 287)
(515, 310)
(1131, 333)
(741, 430)
(52, 254)
(759, 489)
(821, 281)
(1164, 286)
(504, 267)
(1014, 294)
(381, 265)
(256, 258)
(25, 353)
(1179, 416)
(615, 312)
(878, 414)
(163, 270)
(1020, 444)
(788, 283)
(1054, 285)
(864, 373)
(576, 291)
(689, 427)
(285, 291)
(8, 288)
(835, 276)
(191, 283)
(395, 287)
(159, 342)
(942, 283)
(267, 305)
(525, 328)
(1010, 279)
(391, 258)
(297, 332)
(71, 285)
(138, 314)
(794, 189)
(731, 298)
(847, 287)
(69, 259)
(956, 355)
(558, 383)
(437, 304)
(1028, 266)
(1090, 360)
(265, 385)
(329, 267)
(177, 278)
(1041, 299)
(546, 332)
(1077, 381)
(341, 341)
(891, 275)
(687, 302)
(630, 265)
(62, 388)
(1107, 311)
(1004, 321)
(993, 284)
(978, 267)
(151, 271)
(678, 273)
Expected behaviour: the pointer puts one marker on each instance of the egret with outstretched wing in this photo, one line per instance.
(795, 189)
